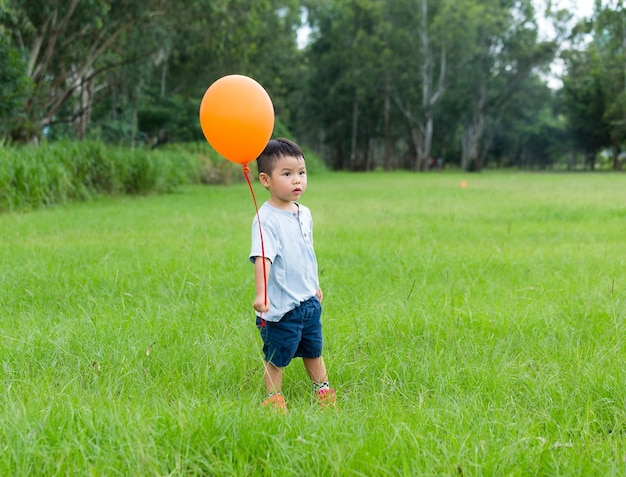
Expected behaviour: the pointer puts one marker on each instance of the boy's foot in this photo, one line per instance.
(275, 402)
(327, 398)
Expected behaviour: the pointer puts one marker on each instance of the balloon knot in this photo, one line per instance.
(246, 169)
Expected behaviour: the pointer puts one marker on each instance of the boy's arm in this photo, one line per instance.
(261, 300)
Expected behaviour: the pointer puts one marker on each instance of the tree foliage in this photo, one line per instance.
(388, 84)
(14, 85)
(594, 91)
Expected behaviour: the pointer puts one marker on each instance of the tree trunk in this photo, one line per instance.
(85, 101)
(421, 124)
(425, 127)
(429, 97)
(353, 139)
(615, 150)
(416, 135)
(590, 160)
(472, 135)
(338, 160)
(388, 165)
(571, 160)
(422, 139)
(83, 91)
(163, 79)
(370, 162)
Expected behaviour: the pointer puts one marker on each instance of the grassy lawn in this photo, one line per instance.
(473, 330)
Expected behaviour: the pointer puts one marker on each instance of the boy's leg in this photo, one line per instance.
(273, 377)
(316, 369)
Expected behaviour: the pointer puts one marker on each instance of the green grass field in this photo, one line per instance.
(469, 331)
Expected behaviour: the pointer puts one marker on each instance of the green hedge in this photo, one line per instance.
(37, 176)
(53, 173)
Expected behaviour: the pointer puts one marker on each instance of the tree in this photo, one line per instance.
(114, 66)
(528, 131)
(458, 63)
(346, 82)
(252, 37)
(204, 40)
(501, 50)
(14, 86)
(610, 38)
(594, 88)
(584, 102)
(420, 36)
(69, 45)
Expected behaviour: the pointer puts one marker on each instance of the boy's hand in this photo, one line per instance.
(261, 304)
(319, 295)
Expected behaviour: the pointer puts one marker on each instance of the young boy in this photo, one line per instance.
(289, 308)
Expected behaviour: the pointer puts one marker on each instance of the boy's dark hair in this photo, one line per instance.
(276, 149)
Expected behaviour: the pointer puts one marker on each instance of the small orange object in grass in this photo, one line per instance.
(464, 184)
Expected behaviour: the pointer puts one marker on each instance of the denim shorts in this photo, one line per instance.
(297, 335)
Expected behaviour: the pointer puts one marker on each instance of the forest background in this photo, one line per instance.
(398, 84)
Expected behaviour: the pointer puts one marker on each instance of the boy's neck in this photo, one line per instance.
(287, 206)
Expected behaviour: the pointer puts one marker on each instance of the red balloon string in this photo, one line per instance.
(246, 172)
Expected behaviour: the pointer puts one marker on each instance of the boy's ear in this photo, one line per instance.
(264, 179)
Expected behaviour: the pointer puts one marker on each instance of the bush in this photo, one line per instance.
(38, 176)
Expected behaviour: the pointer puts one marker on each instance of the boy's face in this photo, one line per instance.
(287, 182)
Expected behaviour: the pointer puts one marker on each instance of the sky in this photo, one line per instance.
(580, 9)
(585, 7)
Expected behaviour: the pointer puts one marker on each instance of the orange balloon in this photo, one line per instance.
(237, 118)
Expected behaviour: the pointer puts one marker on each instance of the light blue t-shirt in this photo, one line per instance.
(288, 244)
